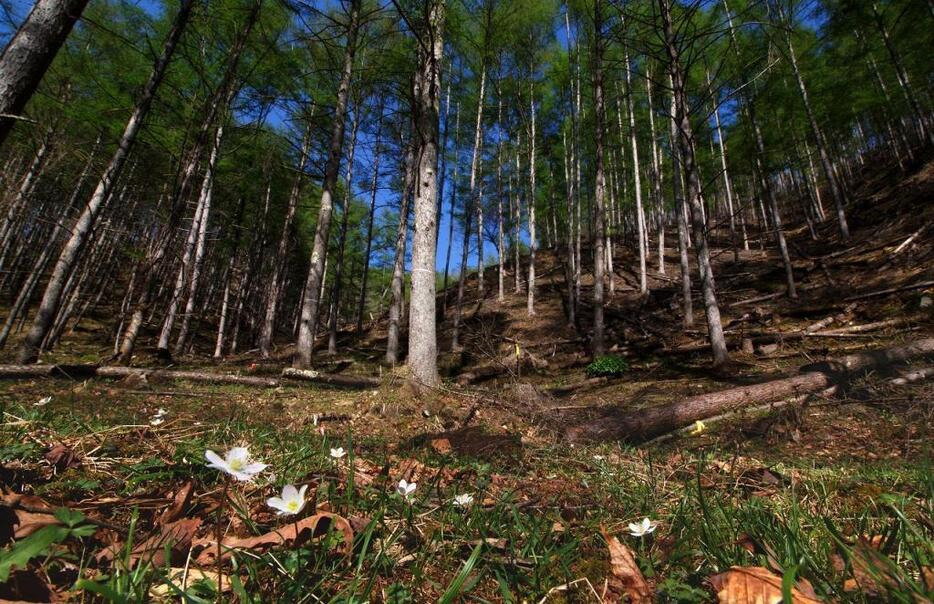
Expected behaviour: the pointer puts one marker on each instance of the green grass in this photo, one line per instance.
(534, 525)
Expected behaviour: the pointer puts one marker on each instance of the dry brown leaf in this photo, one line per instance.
(295, 533)
(177, 537)
(868, 567)
(61, 458)
(442, 446)
(183, 577)
(627, 578)
(180, 502)
(755, 585)
(18, 523)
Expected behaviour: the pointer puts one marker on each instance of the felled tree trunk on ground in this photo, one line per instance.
(71, 253)
(645, 424)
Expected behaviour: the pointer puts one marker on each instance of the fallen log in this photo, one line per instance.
(19, 372)
(339, 380)
(641, 425)
(891, 290)
(193, 376)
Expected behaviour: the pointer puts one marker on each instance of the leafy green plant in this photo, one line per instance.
(40, 542)
(607, 366)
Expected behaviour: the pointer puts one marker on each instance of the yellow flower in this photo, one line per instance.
(698, 428)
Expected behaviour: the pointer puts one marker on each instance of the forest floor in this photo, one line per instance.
(833, 494)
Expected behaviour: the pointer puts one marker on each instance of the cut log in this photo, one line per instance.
(891, 290)
(911, 377)
(640, 425)
(331, 379)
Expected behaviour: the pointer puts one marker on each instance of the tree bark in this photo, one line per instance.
(598, 342)
(640, 213)
(30, 53)
(274, 290)
(308, 324)
(533, 244)
(423, 346)
(397, 285)
(371, 216)
(686, 140)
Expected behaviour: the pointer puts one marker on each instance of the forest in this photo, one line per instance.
(467, 301)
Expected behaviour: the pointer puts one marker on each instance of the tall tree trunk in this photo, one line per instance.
(453, 204)
(727, 185)
(312, 301)
(685, 140)
(21, 197)
(274, 283)
(656, 176)
(30, 53)
(71, 253)
(598, 343)
(533, 244)
(640, 214)
(902, 75)
(835, 189)
(569, 182)
(397, 285)
(474, 169)
(229, 276)
(342, 238)
(423, 346)
(371, 216)
(194, 280)
(500, 222)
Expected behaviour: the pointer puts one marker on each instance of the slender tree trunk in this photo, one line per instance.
(453, 205)
(835, 190)
(312, 300)
(598, 343)
(71, 253)
(228, 277)
(533, 244)
(397, 285)
(30, 53)
(207, 193)
(274, 288)
(569, 181)
(342, 238)
(374, 186)
(462, 278)
(686, 139)
(640, 214)
(727, 185)
(500, 233)
(656, 176)
(423, 346)
(687, 304)
(474, 169)
(902, 75)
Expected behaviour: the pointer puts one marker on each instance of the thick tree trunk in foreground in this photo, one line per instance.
(308, 324)
(423, 345)
(29, 54)
(71, 253)
(533, 244)
(634, 426)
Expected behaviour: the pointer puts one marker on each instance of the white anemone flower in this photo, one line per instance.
(406, 488)
(42, 402)
(292, 500)
(641, 529)
(463, 500)
(237, 463)
(155, 421)
(338, 453)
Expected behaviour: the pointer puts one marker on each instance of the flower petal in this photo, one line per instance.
(241, 453)
(289, 492)
(301, 493)
(255, 468)
(216, 461)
